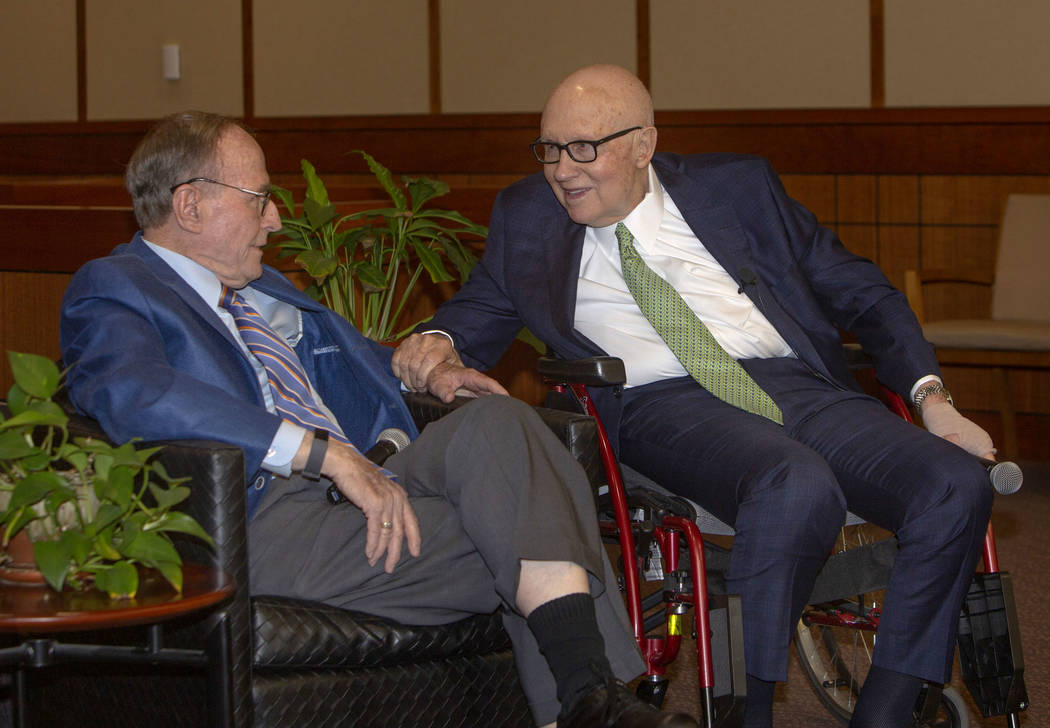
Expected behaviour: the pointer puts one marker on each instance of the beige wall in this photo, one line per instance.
(507, 56)
(349, 57)
(124, 42)
(754, 54)
(967, 53)
(38, 55)
(341, 57)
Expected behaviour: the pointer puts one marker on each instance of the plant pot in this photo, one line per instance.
(20, 567)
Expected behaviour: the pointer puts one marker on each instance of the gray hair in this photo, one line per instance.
(181, 146)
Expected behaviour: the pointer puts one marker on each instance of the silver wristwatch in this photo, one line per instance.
(932, 388)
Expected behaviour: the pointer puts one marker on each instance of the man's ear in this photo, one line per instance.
(646, 146)
(186, 208)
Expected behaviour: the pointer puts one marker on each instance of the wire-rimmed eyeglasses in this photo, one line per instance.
(263, 197)
(580, 150)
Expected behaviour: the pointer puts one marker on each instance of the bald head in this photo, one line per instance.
(603, 115)
(613, 92)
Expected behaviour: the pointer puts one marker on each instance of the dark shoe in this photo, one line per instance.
(612, 705)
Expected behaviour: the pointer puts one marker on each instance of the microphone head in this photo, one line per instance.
(395, 436)
(1006, 477)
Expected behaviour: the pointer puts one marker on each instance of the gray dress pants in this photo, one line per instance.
(491, 485)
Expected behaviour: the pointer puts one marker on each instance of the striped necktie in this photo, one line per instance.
(687, 337)
(288, 382)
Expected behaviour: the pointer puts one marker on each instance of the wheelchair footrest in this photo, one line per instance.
(990, 646)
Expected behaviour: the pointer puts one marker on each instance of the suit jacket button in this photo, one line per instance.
(260, 482)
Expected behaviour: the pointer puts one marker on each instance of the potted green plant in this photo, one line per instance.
(365, 264)
(92, 511)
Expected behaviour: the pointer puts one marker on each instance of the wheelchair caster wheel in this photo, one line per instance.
(653, 689)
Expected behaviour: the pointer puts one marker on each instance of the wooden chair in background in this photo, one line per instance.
(1016, 335)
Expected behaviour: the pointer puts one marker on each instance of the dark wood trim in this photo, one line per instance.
(248, 59)
(81, 10)
(644, 41)
(877, 31)
(1014, 140)
(434, 47)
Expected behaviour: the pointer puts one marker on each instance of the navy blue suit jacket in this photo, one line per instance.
(805, 281)
(149, 358)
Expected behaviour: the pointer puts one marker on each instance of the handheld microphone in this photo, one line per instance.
(389, 441)
(1005, 476)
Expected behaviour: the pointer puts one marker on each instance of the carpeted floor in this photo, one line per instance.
(1022, 529)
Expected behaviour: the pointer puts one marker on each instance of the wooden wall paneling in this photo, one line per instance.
(898, 198)
(860, 239)
(857, 196)
(29, 304)
(816, 192)
(60, 239)
(898, 250)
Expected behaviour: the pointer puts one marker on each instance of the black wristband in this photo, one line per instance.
(318, 449)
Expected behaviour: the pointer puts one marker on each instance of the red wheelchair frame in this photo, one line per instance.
(723, 700)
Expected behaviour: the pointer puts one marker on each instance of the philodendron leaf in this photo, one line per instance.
(172, 572)
(104, 545)
(37, 413)
(52, 558)
(13, 445)
(168, 497)
(119, 580)
(78, 544)
(34, 487)
(181, 523)
(150, 547)
(118, 487)
(37, 375)
(371, 276)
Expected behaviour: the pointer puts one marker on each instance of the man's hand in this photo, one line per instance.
(381, 500)
(943, 420)
(428, 362)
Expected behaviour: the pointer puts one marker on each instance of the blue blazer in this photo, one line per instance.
(148, 358)
(797, 273)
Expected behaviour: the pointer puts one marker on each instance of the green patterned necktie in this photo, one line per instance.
(687, 337)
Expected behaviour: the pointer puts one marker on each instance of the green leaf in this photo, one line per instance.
(181, 523)
(383, 176)
(315, 188)
(119, 580)
(432, 262)
(78, 545)
(104, 545)
(33, 488)
(46, 414)
(150, 547)
(284, 197)
(168, 497)
(37, 375)
(107, 514)
(73, 455)
(318, 214)
(53, 558)
(118, 487)
(17, 400)
(530, 338)
(172, 572)
(13, 445)
(371, 276)
(317, 263)
(423, 189)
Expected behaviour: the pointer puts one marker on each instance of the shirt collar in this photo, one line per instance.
(643, 221)
(196, 276)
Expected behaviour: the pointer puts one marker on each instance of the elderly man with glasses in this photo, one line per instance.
(184, 333)
(725, 298)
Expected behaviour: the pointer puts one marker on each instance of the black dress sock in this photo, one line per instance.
(759, 711)
(887, 699)
(566, 630)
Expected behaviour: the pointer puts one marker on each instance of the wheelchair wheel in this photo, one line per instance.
(835, 642)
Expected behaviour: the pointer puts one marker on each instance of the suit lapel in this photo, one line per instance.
(718, 229)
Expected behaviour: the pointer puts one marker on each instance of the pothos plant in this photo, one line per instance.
(365, 264)
(92, 510)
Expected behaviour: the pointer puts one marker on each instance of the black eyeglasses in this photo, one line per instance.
(263, 197)
(580, 150)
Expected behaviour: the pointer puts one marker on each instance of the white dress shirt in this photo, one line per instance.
(607, 314)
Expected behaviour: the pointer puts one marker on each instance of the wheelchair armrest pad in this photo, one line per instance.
(597, 371)
(578, 432)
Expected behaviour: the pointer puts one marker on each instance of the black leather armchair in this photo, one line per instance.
(294, 662)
